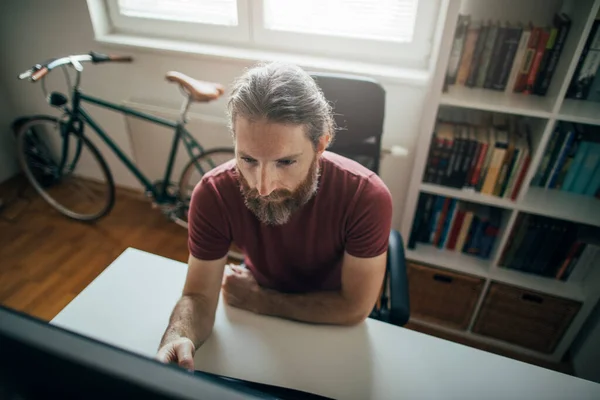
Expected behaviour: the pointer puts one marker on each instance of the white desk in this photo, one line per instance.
(129, 304)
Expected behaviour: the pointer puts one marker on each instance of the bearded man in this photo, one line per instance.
(313, 225)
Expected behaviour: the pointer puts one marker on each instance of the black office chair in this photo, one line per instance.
(358, 105)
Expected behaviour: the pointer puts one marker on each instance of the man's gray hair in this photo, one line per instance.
(282, 93)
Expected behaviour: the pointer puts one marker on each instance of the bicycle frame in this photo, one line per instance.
(161, 196)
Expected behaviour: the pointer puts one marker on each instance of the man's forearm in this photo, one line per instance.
(318, 307)
(191, 318)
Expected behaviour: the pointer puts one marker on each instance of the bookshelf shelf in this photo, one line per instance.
(562, 205)
(467, 195)
(581, 111)
(543, 284)
(491, 100)
(456, 261)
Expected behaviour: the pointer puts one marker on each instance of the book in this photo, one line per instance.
(580, 80)
(490, 233)
(423, 233)
(594, 92)
(525, 248)
(521, 80)
(456, 226)
(589, 68)
(465, 228)
(572, 255)
(495, 62)
(561, 156)
(461, 140)
(487, 54)
(467, 54)
(563, 23)
(583, 254)
(482, 137)
(435, 218)
(543, 264)
(543, 41)
(545, 59)
(445, 133)
(508, 50)
(573, 173)
(488, 158)
(588, 260)
(447, 223)
(589, 164)
(457, 48)
(508, 157)
(470, 149)
(568, 163)
(522, 151)
(553, 143)
(477, 55)
(519, 59)
(535, 248)
(496, 161)
(412, 240)
(521, 177)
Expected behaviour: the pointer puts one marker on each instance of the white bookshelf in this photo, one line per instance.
(546, 111)
(583, 112)
(455, 261)
(490, 100)
(468, 195)
(561, 205)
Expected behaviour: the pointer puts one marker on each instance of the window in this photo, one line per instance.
(396, 32)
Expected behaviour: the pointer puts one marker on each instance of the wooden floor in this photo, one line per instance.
(47, 259)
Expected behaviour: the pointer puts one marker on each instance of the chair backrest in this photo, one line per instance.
(358, 104)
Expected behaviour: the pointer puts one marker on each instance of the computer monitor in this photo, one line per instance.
(38, 360)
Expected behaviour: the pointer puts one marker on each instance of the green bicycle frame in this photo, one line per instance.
(161, 196)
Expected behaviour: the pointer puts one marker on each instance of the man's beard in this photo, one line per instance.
(279, 205)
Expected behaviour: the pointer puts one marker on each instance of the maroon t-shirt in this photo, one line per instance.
(351, 211)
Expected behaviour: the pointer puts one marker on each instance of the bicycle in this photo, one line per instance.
(55, 152)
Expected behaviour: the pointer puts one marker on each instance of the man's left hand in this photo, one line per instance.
(240, 289)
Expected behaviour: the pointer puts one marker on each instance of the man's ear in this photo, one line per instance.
(323, 143)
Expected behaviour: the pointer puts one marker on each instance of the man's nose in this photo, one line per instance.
(266, 182)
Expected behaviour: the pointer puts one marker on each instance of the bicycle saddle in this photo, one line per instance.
(199, 91)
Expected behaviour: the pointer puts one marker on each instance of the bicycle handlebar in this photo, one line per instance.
(38, 71)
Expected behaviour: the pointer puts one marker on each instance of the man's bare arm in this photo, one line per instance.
(194, 314)
(361, 283)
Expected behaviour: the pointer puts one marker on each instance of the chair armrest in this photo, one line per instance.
(397, 274)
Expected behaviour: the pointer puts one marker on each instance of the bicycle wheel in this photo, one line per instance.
(65, 168)
(193, 173)
(197, 167)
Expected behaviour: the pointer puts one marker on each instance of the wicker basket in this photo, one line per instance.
(442, 297)
(525, 318)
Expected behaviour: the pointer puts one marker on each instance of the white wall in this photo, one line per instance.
(35, 30)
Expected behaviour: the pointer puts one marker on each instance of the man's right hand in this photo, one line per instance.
(179, 351)
(193, 317)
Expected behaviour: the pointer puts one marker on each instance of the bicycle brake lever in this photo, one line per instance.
(76, 64)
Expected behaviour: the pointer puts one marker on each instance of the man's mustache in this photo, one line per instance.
(274, 196)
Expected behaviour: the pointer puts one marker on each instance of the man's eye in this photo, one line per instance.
(285, 163)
